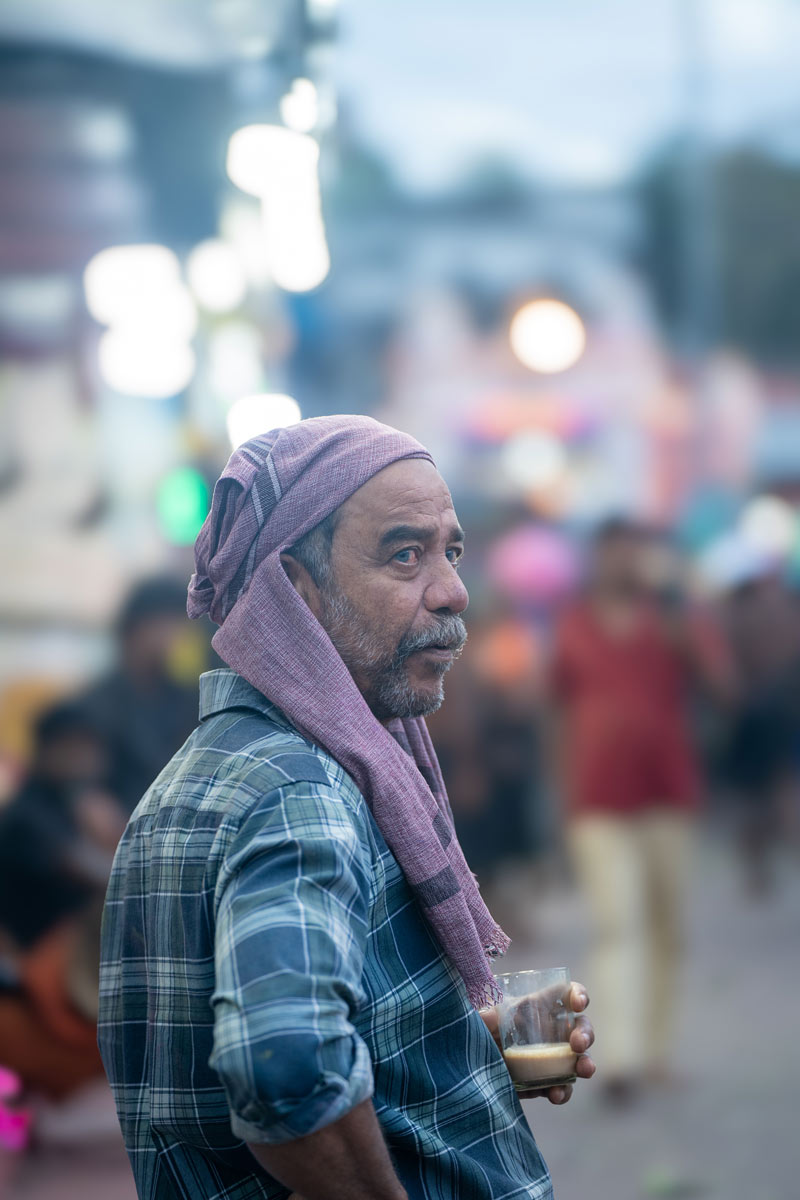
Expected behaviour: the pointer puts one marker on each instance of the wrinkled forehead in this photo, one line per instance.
(406, 492)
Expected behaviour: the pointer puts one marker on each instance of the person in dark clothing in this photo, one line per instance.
(57, 839)
(761, 618)
(145, 713)
(50, 865)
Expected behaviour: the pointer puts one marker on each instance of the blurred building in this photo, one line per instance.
(363, 243)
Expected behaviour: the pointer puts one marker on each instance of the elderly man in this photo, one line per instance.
(294, 950)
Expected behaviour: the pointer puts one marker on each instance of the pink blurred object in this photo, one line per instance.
(533, 564)
(500, 415)
(15, 1123)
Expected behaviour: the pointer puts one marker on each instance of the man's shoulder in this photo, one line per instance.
(238, 756)
(252, 741)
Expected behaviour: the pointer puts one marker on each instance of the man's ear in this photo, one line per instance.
(302, 583)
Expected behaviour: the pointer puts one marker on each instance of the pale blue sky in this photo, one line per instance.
(577, 89)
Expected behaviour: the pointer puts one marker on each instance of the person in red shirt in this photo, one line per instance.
(626, 654)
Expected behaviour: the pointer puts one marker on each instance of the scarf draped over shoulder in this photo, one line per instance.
(275, 488)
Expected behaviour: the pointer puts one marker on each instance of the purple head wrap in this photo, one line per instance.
(275, 488)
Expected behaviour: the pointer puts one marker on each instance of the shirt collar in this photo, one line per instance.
(223, 689)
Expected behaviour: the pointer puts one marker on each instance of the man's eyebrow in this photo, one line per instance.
(419, 533)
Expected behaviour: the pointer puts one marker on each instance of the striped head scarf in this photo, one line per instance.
(276, 488)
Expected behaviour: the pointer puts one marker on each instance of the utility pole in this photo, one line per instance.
(699, 320)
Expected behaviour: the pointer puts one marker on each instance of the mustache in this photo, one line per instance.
(448, 633)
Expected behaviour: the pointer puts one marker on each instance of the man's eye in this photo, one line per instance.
(409, 557)
(455, 554)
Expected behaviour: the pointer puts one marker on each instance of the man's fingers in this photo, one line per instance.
(582, 1036)
(560, 1095)
(585, 1067)
(578, 997)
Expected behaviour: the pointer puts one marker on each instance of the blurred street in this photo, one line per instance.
(731, 1130)
(696, 1140)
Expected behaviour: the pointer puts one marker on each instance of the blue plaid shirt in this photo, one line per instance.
(265, 968)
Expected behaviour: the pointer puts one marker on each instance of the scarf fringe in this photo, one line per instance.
(487, 992)
(484, 995)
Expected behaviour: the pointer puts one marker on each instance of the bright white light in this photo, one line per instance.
(123, 279)
(547, 336)
(242, 226)
(168, 314)
(142, 365)
(299, 258)
(534, 460)
(769, 524)
(216, 276)
(234, 360)
(263, 158)
(297, 248)
(280, 165)
(252, 415)
(300, 106)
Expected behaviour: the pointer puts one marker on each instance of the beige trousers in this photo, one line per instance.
(634, 873)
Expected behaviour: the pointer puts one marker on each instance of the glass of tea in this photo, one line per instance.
(535, 1022)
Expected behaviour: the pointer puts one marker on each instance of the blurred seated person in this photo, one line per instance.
(57, 840)
(144, 709)
(626, 655)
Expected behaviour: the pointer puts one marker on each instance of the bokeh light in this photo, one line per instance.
(234, 360)
(136, 364)
(280, 166)
(770, 524)
(242, 227)
(300, 106)
(534, 460)
(547, 336)
(252, 415)
(182, 505)
(266, 158)
(216, 276)
(122, 282)
(533, 564)
(299, 258)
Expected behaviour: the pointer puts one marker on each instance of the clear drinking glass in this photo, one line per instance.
(535, 1025)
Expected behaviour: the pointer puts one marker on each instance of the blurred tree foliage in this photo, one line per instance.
(746, 215)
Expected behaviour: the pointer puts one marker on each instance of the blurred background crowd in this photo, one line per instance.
(559, 244)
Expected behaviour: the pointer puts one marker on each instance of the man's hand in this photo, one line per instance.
(580, 1040)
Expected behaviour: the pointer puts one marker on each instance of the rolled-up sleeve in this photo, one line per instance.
(291, 925)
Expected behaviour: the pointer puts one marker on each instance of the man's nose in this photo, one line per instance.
(446, 590)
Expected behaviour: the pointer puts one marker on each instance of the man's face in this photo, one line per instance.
(618, 563)
(151, 643)
(393, 611)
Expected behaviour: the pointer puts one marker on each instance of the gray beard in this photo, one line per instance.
(390, 693)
